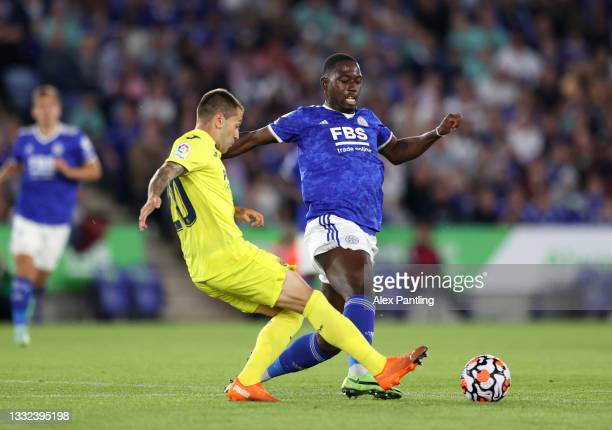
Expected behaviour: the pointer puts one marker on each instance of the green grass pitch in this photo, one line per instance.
(165, 376)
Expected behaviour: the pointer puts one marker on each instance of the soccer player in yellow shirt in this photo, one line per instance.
(225, 266)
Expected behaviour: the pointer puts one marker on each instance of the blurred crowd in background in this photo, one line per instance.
(533, 80)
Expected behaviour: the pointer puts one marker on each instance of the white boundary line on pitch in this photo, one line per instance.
(83, 395)
(209, 389)
(577, 402)
(98, 384)
(143, 385)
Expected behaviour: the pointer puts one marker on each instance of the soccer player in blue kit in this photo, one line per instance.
(51, 158)
(342, 176)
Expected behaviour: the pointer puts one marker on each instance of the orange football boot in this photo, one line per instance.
(397, 367)
(248, 393)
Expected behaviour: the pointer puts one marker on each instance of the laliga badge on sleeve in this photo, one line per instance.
(182, 151)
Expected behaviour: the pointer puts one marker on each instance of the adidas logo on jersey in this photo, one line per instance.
(324, 122)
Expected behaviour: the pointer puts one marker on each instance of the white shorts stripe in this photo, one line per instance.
(328, 231)
(332, 231)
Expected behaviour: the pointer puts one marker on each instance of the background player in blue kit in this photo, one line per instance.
(51, 158)
(342, 176)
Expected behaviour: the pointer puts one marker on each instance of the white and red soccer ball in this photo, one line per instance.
(485, 378)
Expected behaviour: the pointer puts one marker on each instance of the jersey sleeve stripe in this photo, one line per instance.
(278, 139)
(386, 143)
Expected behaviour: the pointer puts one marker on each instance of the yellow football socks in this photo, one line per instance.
(271, 342)
(339, 331)
(334, 327)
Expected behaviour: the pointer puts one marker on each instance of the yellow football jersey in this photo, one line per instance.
(203, 208)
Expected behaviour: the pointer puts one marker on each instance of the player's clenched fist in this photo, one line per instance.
(151, 204)
(451, 122)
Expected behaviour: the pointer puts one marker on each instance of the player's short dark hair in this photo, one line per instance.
(334, 59)
(46, 90)
(218, 100)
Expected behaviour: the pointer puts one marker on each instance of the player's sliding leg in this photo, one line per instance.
(271, 341)
(336, 329)
(21, 294)
(350, 271)
(308, 350)
(311, 349)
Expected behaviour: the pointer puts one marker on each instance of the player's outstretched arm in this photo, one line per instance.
(91, 171)
(9, 169)
(399, 151)
(167, 172)
(250, 140)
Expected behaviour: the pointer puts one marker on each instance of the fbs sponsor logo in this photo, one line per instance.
(182, 151)
(348, 133)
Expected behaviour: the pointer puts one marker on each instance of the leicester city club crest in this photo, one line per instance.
(57, 149)
(362, 121)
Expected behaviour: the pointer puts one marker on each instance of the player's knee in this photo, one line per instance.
(348, 284)
(326, 347)
(24, 267)
(295, 293)
(357, 286)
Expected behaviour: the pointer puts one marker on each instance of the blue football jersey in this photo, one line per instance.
(46, 196)
(340, 168)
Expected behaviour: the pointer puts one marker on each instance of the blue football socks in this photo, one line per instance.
(361, 311)
(21, 292)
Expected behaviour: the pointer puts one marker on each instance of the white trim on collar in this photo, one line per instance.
(347, 115)
(44, 140)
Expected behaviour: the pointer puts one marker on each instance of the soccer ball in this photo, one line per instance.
(485, 378)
